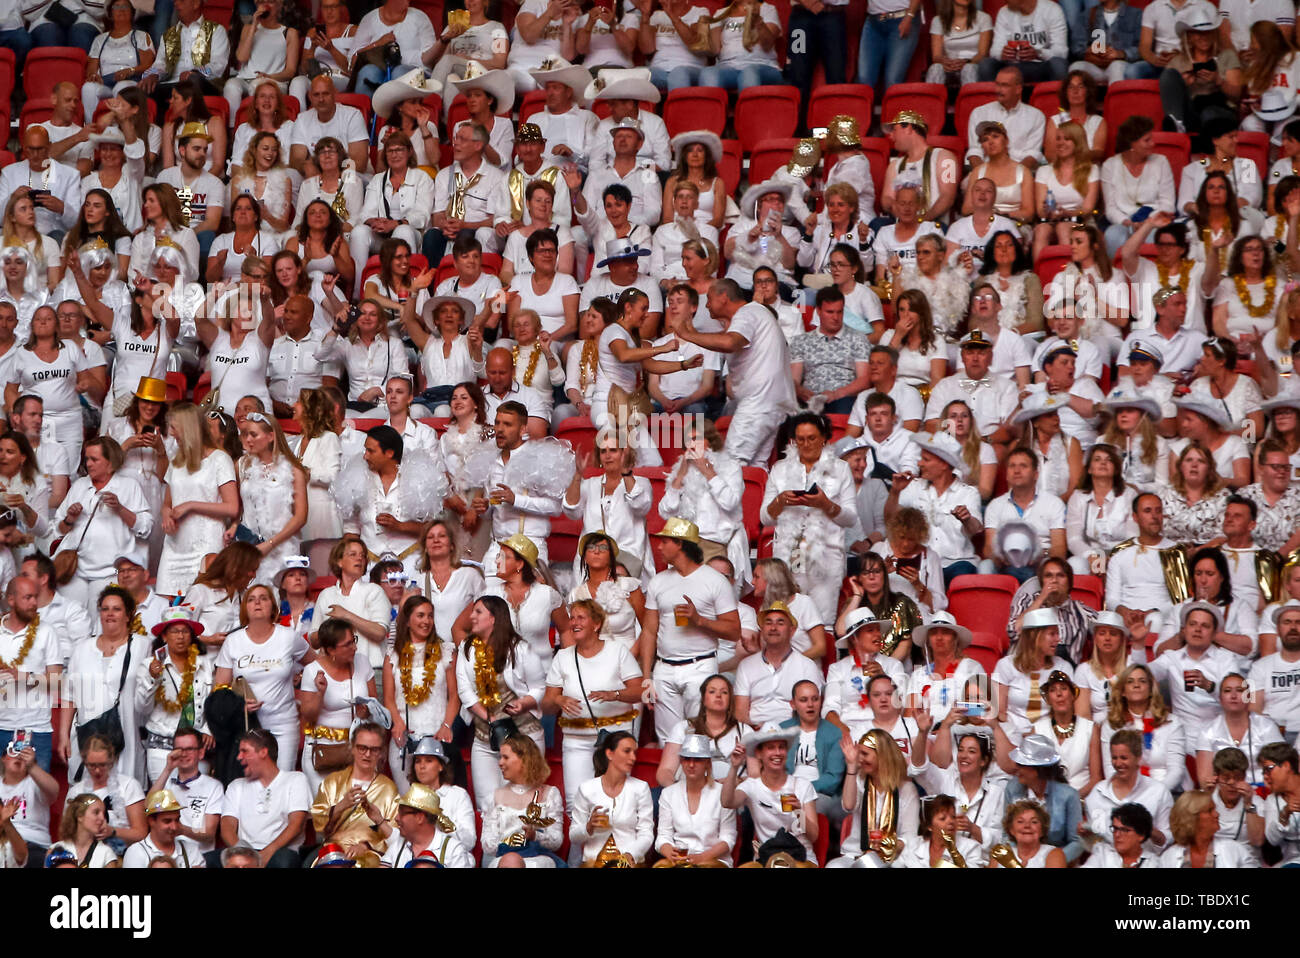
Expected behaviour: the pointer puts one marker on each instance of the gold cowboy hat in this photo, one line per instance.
(151, 390)
(192, 129)
(843, 131)
(807, 154)
(529, 133)
(911, 118)
(676, 528)
(423, 798)
(523, 546)
(161, 801)
(779, 607)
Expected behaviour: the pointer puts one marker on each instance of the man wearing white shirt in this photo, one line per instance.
(759, 366)
(398, 393)
(419, 812)
(393, 22)
(199, 191)
(1100, 805)
(882, 371)
(623, 273)
(266, 809)
(1275, 679)
(765, 682)
(1031, 35)
(891, 443)
(382, 515)
(293, 366)
(69, 141)
(1045, 514)
(951, 506)
(192, 47)
(666, 251)
(569, 130)
(933, 170)
(1179, 348)
(1135, 574)
(514, 510)
(627, 168)
(466, 195)
(1192, 673)
(26, 703)
(530, 164)
(971, 234)
(502, 388)
(398, 204)
(201, 796)
(1136, 177)
(55, 187)
(163, 813)
(327, 117)
(67, 620)
(1246, 560)
(992, 400)
(624, 97)
(1281, 821)
(1024, 124)
(1159, 41)
(1011, 357)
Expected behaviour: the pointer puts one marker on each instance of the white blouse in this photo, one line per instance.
(696, 831)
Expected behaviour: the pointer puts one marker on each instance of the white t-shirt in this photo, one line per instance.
(769, 687)
(765, 808)
(207, 191)
(269, 668)
(733, 52)
(263, 810)
(670, 51)
(32, 818)
(761, 371)
(336, 703)
(346, 125)
(713, 596)
(606, 671)
(1279, 680)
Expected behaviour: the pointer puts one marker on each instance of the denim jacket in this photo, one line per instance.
(1064, 809)
(1123, 34)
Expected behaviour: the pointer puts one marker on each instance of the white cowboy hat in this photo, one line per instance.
(1040, 619)
(110, 137)
(430, 311)
(1213, 411)
(705, 138)
(1121, 398)
(862, 617)
(1282, 401)
(942, 620)
(1196, 16)
(614, 83)
(411, 86)
(749, 202)
(945, 447)
(560, 70)
(1036, 750)
(771, 732)
(498, 84)
(1276, 104)
(1040, 404)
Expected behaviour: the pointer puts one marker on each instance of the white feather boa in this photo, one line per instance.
(806, 538)
(266, 490)
(695, 488)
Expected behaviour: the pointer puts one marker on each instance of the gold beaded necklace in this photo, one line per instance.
(29, 639)
(415, 696)
(1270, 294)
(187, 684)
(1184, 270)
(532, 362)
(485, 675)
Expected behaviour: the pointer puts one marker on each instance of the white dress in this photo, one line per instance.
(322, 460)
(196, 536)
(502, 821)
(267, 494)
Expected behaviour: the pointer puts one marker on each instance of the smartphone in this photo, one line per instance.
(973, 708)
(161, 654)
(148, 430)
(22, 740)
(1212, 65)
(912, 562)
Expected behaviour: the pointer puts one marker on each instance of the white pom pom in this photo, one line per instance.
(424, 486)
(352, 486)
(478, 465)
(541, 467)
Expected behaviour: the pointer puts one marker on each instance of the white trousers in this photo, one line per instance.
(677, 692)
(753, 431)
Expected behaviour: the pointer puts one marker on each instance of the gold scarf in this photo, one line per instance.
(200, 49)
(456, 208)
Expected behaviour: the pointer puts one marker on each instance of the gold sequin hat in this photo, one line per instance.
(161, 801)
(523, 546)
(807, 154)
(151, 389)
(192, 129)
(423, 798)
(780, 608)
(911, 118)
(843, 131)
(529, 133)
(677, 528)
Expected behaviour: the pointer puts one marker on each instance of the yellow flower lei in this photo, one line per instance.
(432, 654)
(485, 675)
(1270, 295)
(532, 362)
(187, 684)
(587, 364)
(29, 639)
(1184, 270)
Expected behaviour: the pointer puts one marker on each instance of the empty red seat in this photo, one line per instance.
(695, 108)
(765, 113)
(176, 386)
(1051, 261)
(766, 158)
(647, 765)
(220, 11)
(1253, 145)
(7, 73)
(731, 165)
(46, 67)
(829, 100)
(928, 99)
(1131, 98)
(1174, 147)
(982, 600)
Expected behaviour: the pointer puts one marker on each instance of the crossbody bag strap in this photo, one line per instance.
(577, 657)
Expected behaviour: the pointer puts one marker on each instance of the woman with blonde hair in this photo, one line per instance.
(1195, 499)
(979, 457)
(1194, 828)
(1271, 66)
(317, 448)
(1067, 191)
(273, 489)
(524, 770)
(1131, 431)
(1136, 704)
(1112, 653)
(263, 175)
(881, 799)
(82, 829)
(1020, 676)
(199, 498)
(700, 264)
(238, 342)
(19, 229)
(838, 225)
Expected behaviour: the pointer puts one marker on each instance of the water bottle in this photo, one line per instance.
(1049, 204)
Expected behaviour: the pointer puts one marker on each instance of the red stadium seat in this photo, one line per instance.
(1130, 98)
(1174, 147)
(176, 387)
(1051, 261)
(928, 99)
(832, 99)
(752, 498)
(839, 425)
(766, 113)
(987, 658)
(877, 150)
(562, 543)
(1091, 589)
(956, 145)
(433, 9)
(994, 641)
(534, 101)
(982, 599)
(695, 108)
(1254, 146)
(291, 107)
(769, 156)
(220, 11)
(765, 538)
(46, 67)
(579, 432)
(1047, 97)
(8, 71)
(731, 165)
(969, 97)
(823, 842)
(218, 107)
(647, 764)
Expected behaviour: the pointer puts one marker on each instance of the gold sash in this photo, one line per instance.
(456, 208)
(200, 50)
(340, 203)
(518, 182)
(1268, 568)
(1178, 578)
